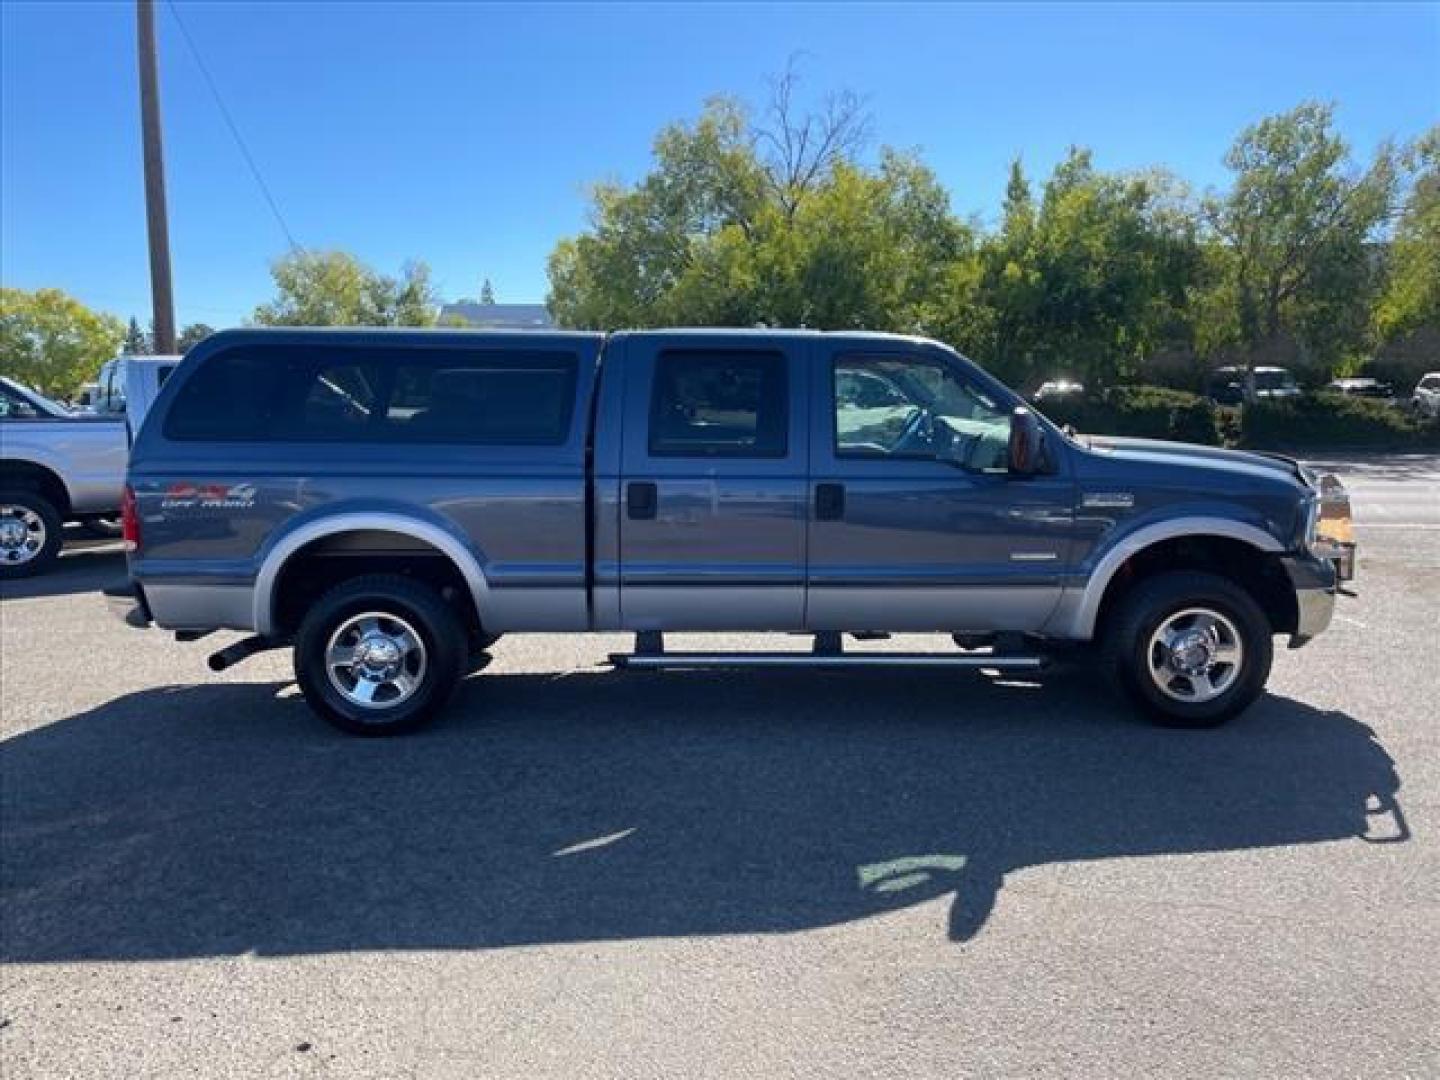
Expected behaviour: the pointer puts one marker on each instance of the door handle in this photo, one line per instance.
(642, 499)
(829, 502)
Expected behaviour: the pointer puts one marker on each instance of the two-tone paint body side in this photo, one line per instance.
(220, 519)
(1131, 494)
(542, 536)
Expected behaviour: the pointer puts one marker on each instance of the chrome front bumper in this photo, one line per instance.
(1316, 582)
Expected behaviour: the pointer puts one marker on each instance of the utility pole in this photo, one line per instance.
(155, 215)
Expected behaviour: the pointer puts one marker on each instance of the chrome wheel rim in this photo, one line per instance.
(375, 660)
(1195, 655)
(22, 535)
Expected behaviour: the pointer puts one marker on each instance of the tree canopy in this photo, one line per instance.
(192, 335)
(787, 219)
(136, 342)
(1297, 231)
(334, 288)
(51, 341)
(1411, 298)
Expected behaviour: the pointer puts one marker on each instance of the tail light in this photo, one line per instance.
(129, 520)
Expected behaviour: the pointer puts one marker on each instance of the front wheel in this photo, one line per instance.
(379, 655)
(1191, 649)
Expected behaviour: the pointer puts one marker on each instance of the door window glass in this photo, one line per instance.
(917, 407)
(719, 404)
(14, 407)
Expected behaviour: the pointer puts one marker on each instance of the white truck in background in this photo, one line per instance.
(127, 385)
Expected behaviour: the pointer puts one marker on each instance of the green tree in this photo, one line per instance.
(1411, 297)
(137, 342)
(776, 224)
(1091, 281)
(642, 239)
(1296, 233)
(192, 335)
(52, 341)
(334, 288)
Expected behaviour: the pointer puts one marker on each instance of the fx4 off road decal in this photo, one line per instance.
(186, 496)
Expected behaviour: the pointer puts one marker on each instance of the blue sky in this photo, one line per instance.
(466, 135)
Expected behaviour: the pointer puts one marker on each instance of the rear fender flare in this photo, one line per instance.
(441, 539)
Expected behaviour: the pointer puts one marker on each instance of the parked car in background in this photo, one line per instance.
(387, 503)
(1057, 388)
(1425, 401)
(1238, 385)
(1366, 388)
(55, 466)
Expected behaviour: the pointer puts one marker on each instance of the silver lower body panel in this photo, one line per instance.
(683, 661)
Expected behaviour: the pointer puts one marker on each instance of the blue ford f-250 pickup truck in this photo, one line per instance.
(388, 502)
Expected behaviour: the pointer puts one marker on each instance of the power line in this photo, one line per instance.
(234, 131)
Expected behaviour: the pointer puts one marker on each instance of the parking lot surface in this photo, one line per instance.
(580, 873)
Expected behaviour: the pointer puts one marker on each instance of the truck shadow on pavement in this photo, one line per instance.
(224, 819)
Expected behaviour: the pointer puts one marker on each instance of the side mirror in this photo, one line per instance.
(1027, 443)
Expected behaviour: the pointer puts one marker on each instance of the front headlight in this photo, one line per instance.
(1333, 522)
(1329, 533)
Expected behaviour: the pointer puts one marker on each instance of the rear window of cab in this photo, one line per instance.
(494, 397)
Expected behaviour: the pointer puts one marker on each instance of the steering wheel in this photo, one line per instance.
(918, 433)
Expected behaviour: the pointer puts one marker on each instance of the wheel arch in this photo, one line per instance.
(1108, 577)
(460, 556)
(38, 477)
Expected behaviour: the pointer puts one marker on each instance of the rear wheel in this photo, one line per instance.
(1191, 649)
(30, 533)
(379, 655)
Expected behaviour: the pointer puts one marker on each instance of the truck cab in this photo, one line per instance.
(389, 503)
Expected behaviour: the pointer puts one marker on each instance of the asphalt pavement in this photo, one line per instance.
(585, 873)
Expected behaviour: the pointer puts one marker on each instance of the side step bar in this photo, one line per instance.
(655, 661)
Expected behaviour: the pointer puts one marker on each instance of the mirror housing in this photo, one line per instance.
(1027, 443)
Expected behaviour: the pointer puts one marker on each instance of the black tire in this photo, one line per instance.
(394, 598)
(1127, 637)
(14, 563)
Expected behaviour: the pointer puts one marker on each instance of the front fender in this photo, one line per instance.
(1075, 618)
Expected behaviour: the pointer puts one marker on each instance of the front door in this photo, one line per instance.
(713, 492)
(916, 523)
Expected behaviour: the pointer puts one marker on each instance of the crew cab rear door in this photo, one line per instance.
(712, 500)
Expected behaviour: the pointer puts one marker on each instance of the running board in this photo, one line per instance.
(650, 661)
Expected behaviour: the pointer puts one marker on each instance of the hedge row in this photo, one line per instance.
(1314, 420)
(1149, 412)
(1325, 420)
